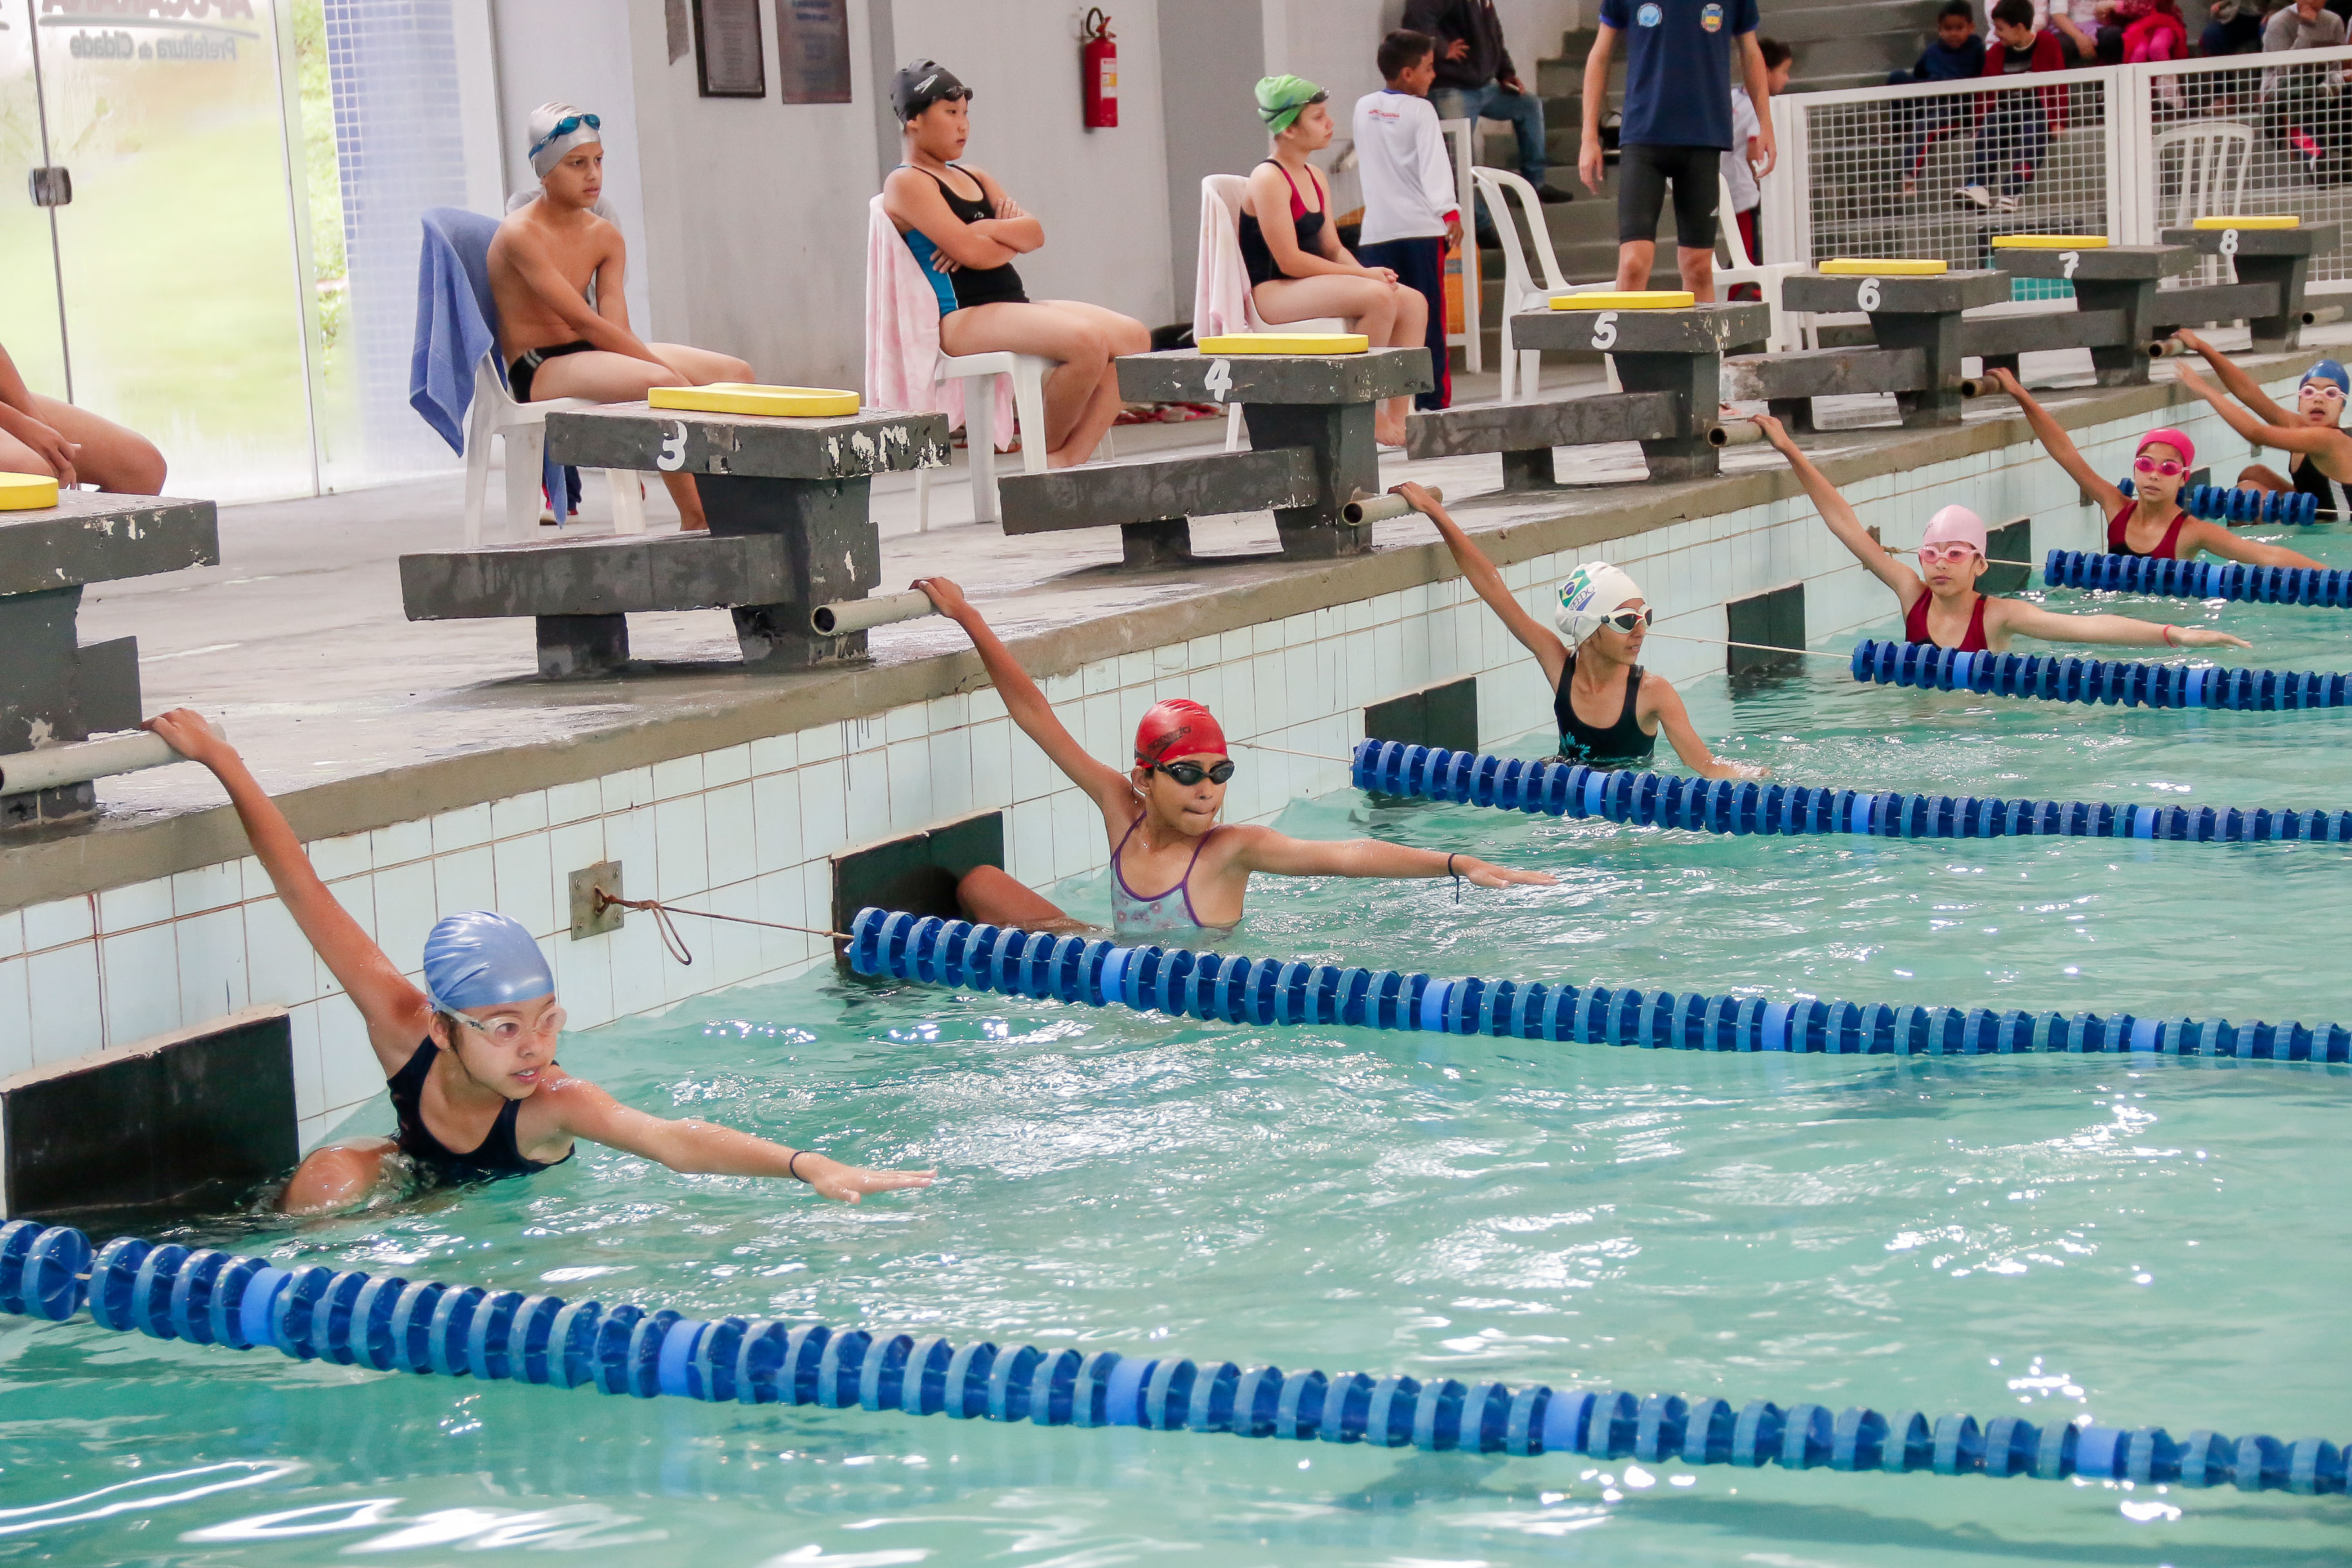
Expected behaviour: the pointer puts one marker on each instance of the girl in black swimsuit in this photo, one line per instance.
(1611, 710)
(481, 1096)
(1299, 270)
(959, 221)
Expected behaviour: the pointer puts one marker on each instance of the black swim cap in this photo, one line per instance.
(918, 86)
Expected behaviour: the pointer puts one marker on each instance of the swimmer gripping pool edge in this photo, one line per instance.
(388, 1324)
(1222, 988)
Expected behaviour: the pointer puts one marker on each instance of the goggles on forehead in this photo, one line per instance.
(566, 127)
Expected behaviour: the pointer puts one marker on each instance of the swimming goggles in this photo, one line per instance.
(511, 1031)
(2327, 389)
(1626, 620)
(1189, 774)
(2164, 467)
(566, 127)
(1931, 554)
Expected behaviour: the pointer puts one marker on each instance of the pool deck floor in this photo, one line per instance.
(297, 644)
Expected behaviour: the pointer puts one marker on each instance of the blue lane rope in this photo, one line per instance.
(1231, 989)
(1744, 806)
(2213, 503)
(2199, 579)
(2061, 678)
(386, 1324)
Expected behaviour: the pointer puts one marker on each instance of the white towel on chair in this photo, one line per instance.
(1220, 293)
(902, 334)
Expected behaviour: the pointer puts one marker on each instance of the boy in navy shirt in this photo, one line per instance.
(1676, 127)
(2014, 129)
(1957, 55)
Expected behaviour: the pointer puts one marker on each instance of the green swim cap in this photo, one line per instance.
(1281, 97)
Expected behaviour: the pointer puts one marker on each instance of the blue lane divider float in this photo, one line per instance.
(2201, 579)
(2061, 678)
(1744, 806)
(2215, 503)
(1230, 989)
(388, 1324)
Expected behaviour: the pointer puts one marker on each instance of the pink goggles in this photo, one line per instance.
(1955, 553)
(2164, 468)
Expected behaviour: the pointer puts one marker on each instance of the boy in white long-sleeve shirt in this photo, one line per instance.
(1412, 219)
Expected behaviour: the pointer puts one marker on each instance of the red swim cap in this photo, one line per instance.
(1178, 728)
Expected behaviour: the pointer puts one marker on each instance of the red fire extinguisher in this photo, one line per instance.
(1099, 61)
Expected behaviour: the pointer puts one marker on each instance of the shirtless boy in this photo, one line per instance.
(545, 257)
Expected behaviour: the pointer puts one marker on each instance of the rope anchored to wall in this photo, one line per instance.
(674, 941)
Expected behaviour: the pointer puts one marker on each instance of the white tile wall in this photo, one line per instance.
(747, 830)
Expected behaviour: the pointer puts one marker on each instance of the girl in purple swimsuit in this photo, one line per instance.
(1160, 819)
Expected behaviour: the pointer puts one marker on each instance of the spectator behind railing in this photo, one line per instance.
(1411, 217)
(2231, 27)
(1476, 79)
(1747, 156)
(965, 230)
(1958, 54)
(41, 436)
(2014, 129)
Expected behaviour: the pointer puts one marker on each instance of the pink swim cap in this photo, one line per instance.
(1956, 525)
(2176, 439)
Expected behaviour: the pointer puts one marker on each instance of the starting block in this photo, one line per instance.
(789, 530)
(1312, 453)
(1912, 314)
(2118, 303)
(2272, 257)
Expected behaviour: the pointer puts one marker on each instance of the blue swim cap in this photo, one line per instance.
(2330, 371)
(481, 960)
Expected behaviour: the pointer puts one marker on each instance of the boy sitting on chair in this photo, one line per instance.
(546, 255)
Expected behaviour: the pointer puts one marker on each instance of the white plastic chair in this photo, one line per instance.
(2211, 159)
(1028, 374)
(523, 427)
(1231, 189)
(1745, 268)
(1501, 187)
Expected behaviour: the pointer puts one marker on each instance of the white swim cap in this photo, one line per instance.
(1594, 590)
(555, 128)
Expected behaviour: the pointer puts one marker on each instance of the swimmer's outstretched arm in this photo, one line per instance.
(396, 1013)
(1277, 854)
(1839, 513)
(2242, 386)
(2317, 440)
(1027, 705)
(1658, 694)
(2020, 617)
(2061, 445)
(1534, 636)
(706, 1148)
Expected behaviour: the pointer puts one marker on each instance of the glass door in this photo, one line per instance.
(178, 258)
(30, 326)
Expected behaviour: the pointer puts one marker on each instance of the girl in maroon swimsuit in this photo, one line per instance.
(2150, 522)
(1941, 602)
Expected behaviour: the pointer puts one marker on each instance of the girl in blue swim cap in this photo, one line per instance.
(469, 1060)
(2319, 453)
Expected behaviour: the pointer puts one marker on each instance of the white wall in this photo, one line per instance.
(1102, 194)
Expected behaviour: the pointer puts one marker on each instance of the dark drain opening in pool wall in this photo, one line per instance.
(1444, 714)
(918, 872)
(1771, 621)
(186, 1123)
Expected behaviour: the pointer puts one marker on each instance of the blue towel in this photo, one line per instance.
(456, 324)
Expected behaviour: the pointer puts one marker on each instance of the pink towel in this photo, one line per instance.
(1221, 290)
(902, 334)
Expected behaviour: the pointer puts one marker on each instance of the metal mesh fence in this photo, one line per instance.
(2253, 134)
(1937, 171)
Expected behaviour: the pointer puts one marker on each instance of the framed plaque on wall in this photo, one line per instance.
(812, 51)
(730, 60)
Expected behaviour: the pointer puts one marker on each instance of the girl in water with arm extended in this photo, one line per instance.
(469, 1061)
(1161, 818)
(1941, 602)
(1608, 709)
(2320, 460)
(2150, 521)
(966, 232)
(1299, 270)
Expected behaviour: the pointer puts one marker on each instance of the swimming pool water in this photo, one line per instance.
(2147, 1242)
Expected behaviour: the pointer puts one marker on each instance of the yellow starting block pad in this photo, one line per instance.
(749, 397)
(2269, 220)
(27, 492)
(2050, 242)
(1864, 266)
(1286, 343)
(1627, 299)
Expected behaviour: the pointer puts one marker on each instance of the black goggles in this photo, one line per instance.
(1189, 774)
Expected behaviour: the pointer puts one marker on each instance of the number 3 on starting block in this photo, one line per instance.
(1220, 379)
(673, 448)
